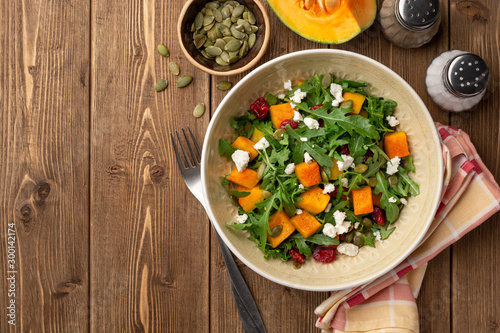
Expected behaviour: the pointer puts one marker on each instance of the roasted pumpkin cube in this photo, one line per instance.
(247, 145)
(362, 200)
(247, 178)
(305, 223)
(314, 200)
(280, 218)
(280, 112)
(308, 174)
(248, 202)
(395, 144)
(257, 135)
(335, 171)
(357, 101)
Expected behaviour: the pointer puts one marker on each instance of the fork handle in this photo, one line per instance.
(249, 313)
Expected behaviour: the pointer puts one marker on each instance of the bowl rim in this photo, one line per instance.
(271, 63)
(252, 63)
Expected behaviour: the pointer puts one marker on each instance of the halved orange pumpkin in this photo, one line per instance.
(326, 21)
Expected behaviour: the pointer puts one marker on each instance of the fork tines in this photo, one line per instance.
(189, 161)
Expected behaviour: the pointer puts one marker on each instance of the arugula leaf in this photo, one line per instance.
(384, 230)
(414, 186)
(240, 121)
(357, 145)
(271, 99)
(279, 157)
(317, 152)
(239, 194)
(391, 209)
(265, 127)
(349, 123)
(368, 241)
(226, 149)
(262, 222)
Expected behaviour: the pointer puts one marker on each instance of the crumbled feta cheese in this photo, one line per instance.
(307, 158)
(344, 182)
(301, 187)
(328, 207)
(303, 139)
(241, 159)
(311, 123)
(288, 85)
(261, 144)
(242, 218)
(377, 235)
(348, 162)
(392, 165)
(281, 96)
(393, 121)
(356, 225)
(393, 200)
(348, 249)
(332, 231)
(290, 168)
(298, 96)
(329, 230)
(329, 188)
(335, 103)
(293, 106)
(297, 116)
(404, 201)
(298, 212)
(339, 217)
(336, 90)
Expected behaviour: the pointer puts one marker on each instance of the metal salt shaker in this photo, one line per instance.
(457, 80)
(410, 23)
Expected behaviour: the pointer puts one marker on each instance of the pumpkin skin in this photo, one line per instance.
(342, 23)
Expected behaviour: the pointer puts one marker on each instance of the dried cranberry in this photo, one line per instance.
(368, 154)
(259, 108)
(345, 150)
(333, 194)
(293, 124)
(378, 215)
(316, 107)
(321, 122)
(325, 253)
(297, 256)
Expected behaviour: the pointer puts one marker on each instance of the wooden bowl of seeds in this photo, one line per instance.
(223, 37)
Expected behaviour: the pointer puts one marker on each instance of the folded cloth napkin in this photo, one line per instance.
(388, 304)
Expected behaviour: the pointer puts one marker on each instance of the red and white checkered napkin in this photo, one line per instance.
(388, 304)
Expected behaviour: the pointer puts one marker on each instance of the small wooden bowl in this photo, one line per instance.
(186, 18)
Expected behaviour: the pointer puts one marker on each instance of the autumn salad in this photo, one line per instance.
(320, 170)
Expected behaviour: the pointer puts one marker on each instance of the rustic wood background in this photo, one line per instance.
(109, 239)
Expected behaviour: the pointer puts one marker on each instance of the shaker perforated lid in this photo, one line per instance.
(466, 75)
(417, 15)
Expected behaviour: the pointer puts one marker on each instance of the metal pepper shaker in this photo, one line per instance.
(457, 80)
(410, 23)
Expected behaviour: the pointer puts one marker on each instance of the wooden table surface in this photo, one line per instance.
(109, 239)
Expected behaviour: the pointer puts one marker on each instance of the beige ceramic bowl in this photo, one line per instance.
(186, 18)
(415, 219)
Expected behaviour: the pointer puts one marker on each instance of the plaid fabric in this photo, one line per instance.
(388, 304)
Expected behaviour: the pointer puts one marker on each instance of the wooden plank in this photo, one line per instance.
(277, 304)
(475, 287)
(149, 235)
(44, 165)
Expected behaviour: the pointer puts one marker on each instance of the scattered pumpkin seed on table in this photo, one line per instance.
(161, 85)
(224, 31)
(162, 49)
(174, 68)
(184, 81)
(199, 110)
(224, 85)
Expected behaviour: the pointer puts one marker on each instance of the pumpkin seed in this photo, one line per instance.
(205, 54)
(228, 39)
(358, 239)
(162, 49)
(324, 177)
(260, 170)
(240, 28)
(224, 85)
(208, 27)
(238, 11)
(220, 43)
(233, 59)
(225, 31)
(372, 182)
(207, 20)
(236, 33)
(200, 42)
(244, 49)
(199, 110)
(234, 19)
(225, 56)
(245, 15)
(174, 68)
(209, 11)
(348, 237)
(367, 223)
(213, 51)
(393, 180)
(326, 81)
(218, 33)
(296, 265)
(278, 134)
(251, 18)
(217, 15)
(208, 43)
(360, 168)
(212, 5)
(192, 28)
(225, 13)
(221, 62)
(227, 22)
(161, 85)
(254, 28)
(233, 45)
(234, 53)
(347, 104)
(276, 231)
(266, 194)
(184, 81)
(251, 40)
(198, 21)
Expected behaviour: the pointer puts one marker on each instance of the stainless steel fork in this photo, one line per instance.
(191, 172)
